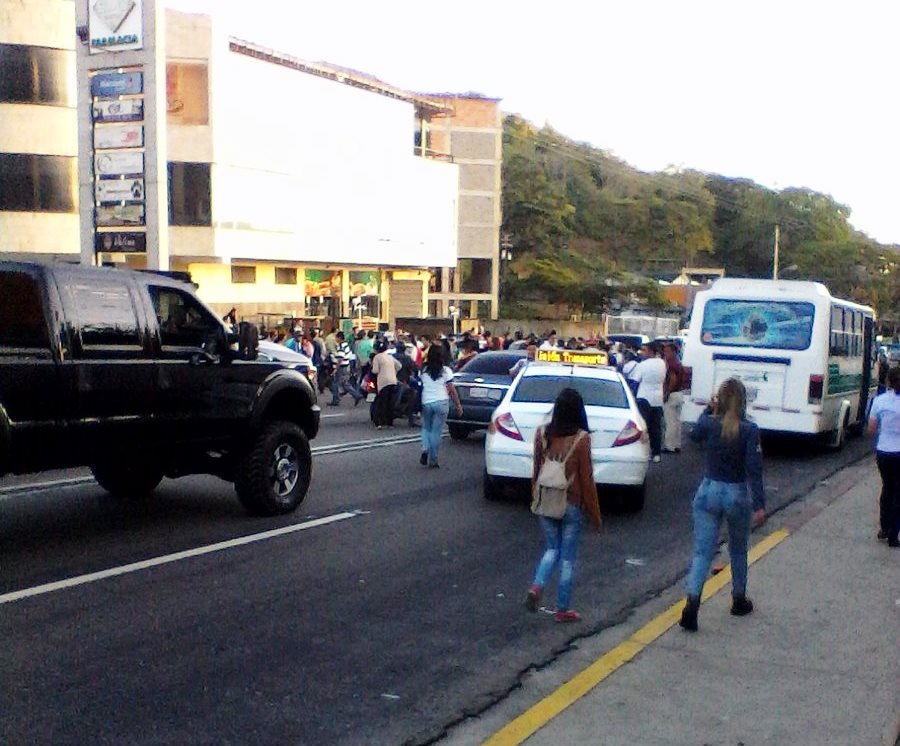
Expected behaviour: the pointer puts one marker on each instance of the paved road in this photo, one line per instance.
(385, 626)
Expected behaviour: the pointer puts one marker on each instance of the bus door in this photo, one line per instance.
(763, 376)
(866, 385)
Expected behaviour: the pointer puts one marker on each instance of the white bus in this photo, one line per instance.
(804, 356)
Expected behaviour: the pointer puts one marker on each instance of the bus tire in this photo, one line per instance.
(840, 433)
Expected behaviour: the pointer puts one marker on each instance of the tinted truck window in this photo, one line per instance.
(21, 312)
(105, 313)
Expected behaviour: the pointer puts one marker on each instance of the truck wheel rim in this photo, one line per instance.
(285, 469)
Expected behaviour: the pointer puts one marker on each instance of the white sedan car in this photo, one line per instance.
(619, 443)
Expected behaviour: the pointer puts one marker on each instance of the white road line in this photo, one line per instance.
(176, 557)
(17, 488)
(329, 416)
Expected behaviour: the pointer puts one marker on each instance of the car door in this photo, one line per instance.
(109, 374)
(199, 399)
(29, 374)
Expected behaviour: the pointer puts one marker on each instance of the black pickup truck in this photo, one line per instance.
(130, 374)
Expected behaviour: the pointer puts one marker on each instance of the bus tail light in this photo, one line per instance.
(688, 377)
(631, 433)
(816, 388)
(506, 425)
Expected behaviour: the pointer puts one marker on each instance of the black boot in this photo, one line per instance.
(689, 614)
(741, 605)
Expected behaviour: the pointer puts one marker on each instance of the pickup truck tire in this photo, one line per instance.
(458, 432)
(123, 478)
(273, 477)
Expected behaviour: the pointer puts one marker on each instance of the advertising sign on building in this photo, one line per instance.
(125, 110)
(119, 136)
(119, 190)
(119, 164)
(120, 215)
(127, 243)
(115, 25)
(363, 283)
(117, 84)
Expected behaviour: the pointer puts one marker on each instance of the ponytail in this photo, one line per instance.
(731, 406)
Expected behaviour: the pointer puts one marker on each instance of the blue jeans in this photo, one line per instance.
(712, 502)
(434, 415)
(341, 384)
(562, 537)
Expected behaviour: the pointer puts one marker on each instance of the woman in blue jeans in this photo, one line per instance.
(733, 463)
(566, 439)
(437, 390)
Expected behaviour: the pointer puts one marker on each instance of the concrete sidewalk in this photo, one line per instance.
(817, 662)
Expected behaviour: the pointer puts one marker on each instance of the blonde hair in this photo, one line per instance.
(731, 406)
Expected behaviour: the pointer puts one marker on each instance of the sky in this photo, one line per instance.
(787, 93)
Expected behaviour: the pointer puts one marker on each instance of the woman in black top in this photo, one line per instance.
(733, 462)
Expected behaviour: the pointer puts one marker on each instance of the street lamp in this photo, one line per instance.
(506, 255)
(454, 315)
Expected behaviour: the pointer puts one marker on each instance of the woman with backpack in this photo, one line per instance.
(565, 439)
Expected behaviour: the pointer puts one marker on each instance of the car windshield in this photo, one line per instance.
(596, 392)
(780, 325)
(490, 365)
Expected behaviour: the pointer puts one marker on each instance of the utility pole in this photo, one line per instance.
(775, 262)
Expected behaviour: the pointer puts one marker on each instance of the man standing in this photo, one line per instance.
(340, 382)
(404, 390)
(650, 376)
(551, 342)
(673, 399)
(385, 368)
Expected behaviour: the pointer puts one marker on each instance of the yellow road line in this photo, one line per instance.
(536, 717)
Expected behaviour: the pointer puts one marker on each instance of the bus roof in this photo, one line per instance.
(757, 289)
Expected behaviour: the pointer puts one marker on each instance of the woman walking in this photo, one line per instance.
(437, 390)
(733, 462)
(884, 424)
(566, 438)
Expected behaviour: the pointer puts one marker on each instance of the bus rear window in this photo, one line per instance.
(775, 325)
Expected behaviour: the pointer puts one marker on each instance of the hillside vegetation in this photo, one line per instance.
(587, 229)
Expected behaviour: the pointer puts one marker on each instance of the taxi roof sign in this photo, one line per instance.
(573, 357)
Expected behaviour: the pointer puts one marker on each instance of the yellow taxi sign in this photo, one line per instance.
(574, 357)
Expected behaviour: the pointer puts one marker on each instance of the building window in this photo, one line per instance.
(432, 308)
(475, 275)
(38, 183)
(190, 200)
(285, 276)
(187, 93)
(241, 274)
(36, 75)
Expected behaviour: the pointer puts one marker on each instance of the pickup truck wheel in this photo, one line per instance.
(274, 475)
(124, 478)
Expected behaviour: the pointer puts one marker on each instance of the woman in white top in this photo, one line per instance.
(884, 423)
(437, 390)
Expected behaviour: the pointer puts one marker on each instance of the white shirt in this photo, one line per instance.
(436, 390)
(547, 345)
(886, 411)
(651, 373)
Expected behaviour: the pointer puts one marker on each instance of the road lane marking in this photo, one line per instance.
(176, 557)
(536, 717)
(331, 416)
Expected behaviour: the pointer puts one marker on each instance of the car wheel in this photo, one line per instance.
(123, 478)
(634, 501)
(458, 432)
(493, 487)
(274, 475)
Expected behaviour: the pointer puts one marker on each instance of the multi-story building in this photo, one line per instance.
(289, 188)
(38, 133)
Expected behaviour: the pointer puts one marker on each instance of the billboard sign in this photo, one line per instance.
(126, 243)
(119, 190)
(119, 164)
(123, 110)
(120, 215)
(117, 84)
(115, 25)
(119, 136)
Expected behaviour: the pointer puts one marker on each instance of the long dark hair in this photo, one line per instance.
(731, 406)
(569, 415)
(434, 361)
(893, 379)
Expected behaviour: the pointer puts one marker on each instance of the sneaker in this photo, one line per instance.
(741, 605)
(435, 465)
(567, 616)
(533, 598)
(656, 459)
(357, 400)
(423, 459)
(882, 535)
